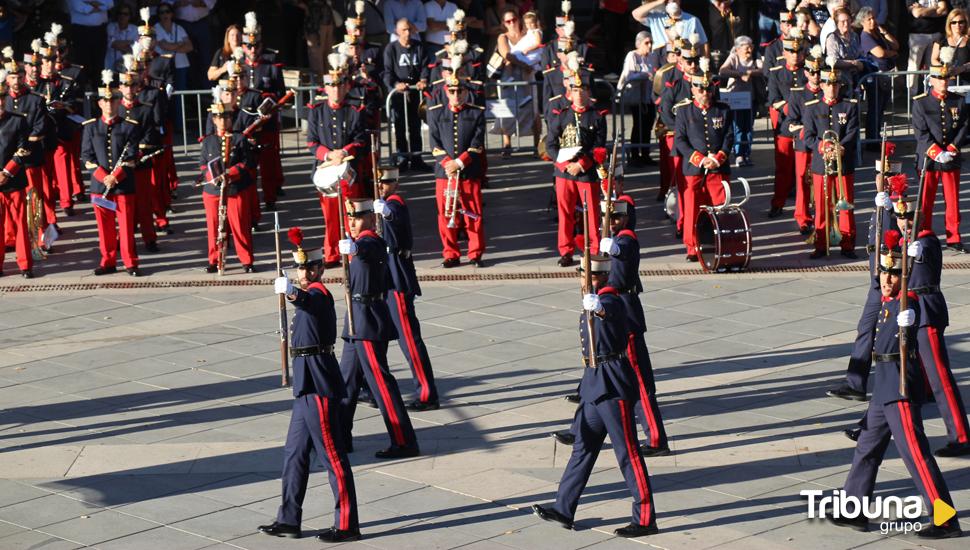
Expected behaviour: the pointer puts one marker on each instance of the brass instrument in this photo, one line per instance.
(223, 237)
(451, 199)
(35, 223)
(833, 165)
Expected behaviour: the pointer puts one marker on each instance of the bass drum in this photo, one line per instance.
(723, 239)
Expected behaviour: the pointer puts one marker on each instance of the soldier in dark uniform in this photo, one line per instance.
(676, 88)
(14, 134)
(365, 342)
(316, 422)
(797, 97)
(703, 137)
(75, 78)
(457, 133)
(826, 118)
(406, 65)
(238, 173)
(109, 147)
(892, 415)
(61, 93)
(395, 227)
(782, 79)
(33, 82)
(130, 84)
(335, 130)
(608, 392)
(940, 119)
(772, 50)
(577, 144)
(554, 51)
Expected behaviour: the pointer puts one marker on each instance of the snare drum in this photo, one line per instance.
(723, 239)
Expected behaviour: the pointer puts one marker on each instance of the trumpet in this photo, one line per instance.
(451, 199)
(833, 165)
(834, 157)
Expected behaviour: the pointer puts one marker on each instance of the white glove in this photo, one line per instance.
(379, 206)
(591, 302)
(944, 157)
(608, 246)
(906, 318)
(282, 285)
(915, 249)
(347, 246)
(883, 200)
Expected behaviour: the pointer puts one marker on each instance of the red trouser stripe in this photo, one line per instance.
(916, 452)
(942, 369)
(397, 433)
(323, 410)
(631, 352)
(402, 312)
(635, 462)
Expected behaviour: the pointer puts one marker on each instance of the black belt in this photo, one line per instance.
(367, 299)
(310, 350)
(404, 253)
(604, 358)
(627, 291)
(870, 248)
(923, 290)
(890, 357)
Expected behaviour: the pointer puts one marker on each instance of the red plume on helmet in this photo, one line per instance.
(599, 155)
(889, 149)
(898, 184)
(295, 235)
(891, 238)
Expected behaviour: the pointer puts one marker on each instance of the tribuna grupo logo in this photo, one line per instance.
(892, 513)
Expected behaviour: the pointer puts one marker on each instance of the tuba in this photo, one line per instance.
(35, 223)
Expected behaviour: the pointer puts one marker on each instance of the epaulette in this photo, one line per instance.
(549, 70)
(24, 115)
(270, 51)
(555, 97)
(88, 121)
(132, 121)
(167, 55)
(811, 102)
(442, 51)
(65, 77)
(473, 106)
(478, 48)
(779, 57)
(798, 89)
(433, 107)
(38, 95)
(775, 68)
(922, 95)
(685, 101)
(853, 100)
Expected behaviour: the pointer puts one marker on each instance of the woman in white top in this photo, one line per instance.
(636, 96)
(121, 35)
(170, 38)
(743, 72)
(518, 98)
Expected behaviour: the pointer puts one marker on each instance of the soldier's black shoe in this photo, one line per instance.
(679, 234)
(151, 246)
(256, 228)
(478, 262)
(69, 211)
(633, 531)
(845, 392)
(80, 197)
(806, 230)
(958, 247)
(168, 230)
(565, 260)
(211, 268)
(953, 449)
(277, 529)
(398, 452)
(369, 401)
(646, 451)
(249, 268)
(860, 523)
(565, 437)
(271, 206)
(27, 274)
(572, 398)
(852, 433)
(104, 270)
(331, 265)
(949, 530)
(692, 258)
(548, 514)
(775, 212)
(816, 255)
(338, 535)
(133, 271)
(850, 254)
(449, 263)
(421, 406)
(280, 192)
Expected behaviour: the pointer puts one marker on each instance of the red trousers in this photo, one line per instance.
(571, 194)
(144, 193)
(676, 168)
(951, 196)
(160, 194)
(108, 234)
(469, 201)
(67, 167)
(846, 217)
(700, 191)
(14, 213)
(240, 225)
(803, 188)
(37, 182)
(169, 155)
(270, 169)
(332, 230)
(41, 179)
(784, 170)
(773, 115)
(666, 168)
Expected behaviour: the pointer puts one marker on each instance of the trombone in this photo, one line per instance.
(451, 199)
(833, 165)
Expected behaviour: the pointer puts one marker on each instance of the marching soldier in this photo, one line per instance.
(623, 249)
(62, 149)
(676, 88)
(109, 148)
(365, 341)
(457, 133)
(130, 84)
(406, 65)
(891, 414)
(703, 137)
(75, 78)
(232, 155)
(940, 119)
(14, 135)
(797, 98)
(316, 422)
(33, 82)
(607, 392)
(831, 129)
(553, 52)
(782, 80)
(395, 223)
(577, 144)
(335, 130)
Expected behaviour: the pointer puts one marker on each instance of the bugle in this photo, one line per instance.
(451, 199)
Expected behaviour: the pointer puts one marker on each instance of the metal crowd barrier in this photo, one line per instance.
(870, 89)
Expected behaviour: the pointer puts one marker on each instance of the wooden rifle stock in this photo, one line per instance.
(588, 282)
(256, 124)
(284, 337)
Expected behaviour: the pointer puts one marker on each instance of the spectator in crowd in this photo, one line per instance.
(412, 10)
(843, 44)
(437, 13)
(721, 27)
(818, 9)
(879, 51)
(121, 35)
(636, 89)
(654, 13)
(193, 17)
(494, 26)
(925, 29)
(321, 22)
(880, 9)
(743, 72)
(406, 65)
(89, 31)
(171, 38)
(375, 30)
(514, 47)
(768, 13)
(613, 20)
(475, 19)
(231, 40)
(957, 35)
(829, 26)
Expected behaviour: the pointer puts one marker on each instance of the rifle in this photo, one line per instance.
(608, 192)
(103, 201)
(880, 186)
(345, 259)
(264, 117)
(904, 284)
(374, 152)
(284, 350)
(588, 281)
(223, 237)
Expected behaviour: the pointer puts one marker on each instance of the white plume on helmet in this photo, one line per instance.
(795, 33)
(137, 49)
(569, 28)
(36, 44)
(251, 22)
(350, 25)
(451, 24)
(129, 61)
(816, 51)
(50, 38)
(217, 94)
(459, 15)
(566, 6)
(107, 76)
(456, 61)
(7, 52)
(695, 39)
(343, 49)
(334, 61)
(145, 14)
(359, 7)
(57, 29)
(238, 53)
(572, 61)
(946, 54)
(790, 4)
(830, 60)
(460, 47)
(705, 64)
